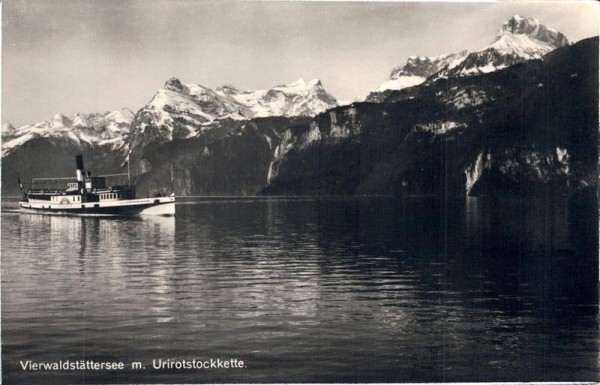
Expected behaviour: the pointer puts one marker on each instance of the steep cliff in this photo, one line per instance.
(233, 160)
(530, 127)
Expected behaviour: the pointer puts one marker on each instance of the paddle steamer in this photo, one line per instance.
(91, 196)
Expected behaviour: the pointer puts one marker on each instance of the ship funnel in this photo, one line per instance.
(79, 162)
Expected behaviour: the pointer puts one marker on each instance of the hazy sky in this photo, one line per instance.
(87, 56)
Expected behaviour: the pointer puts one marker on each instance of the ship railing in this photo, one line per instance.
(50, 182)
(45, 191)
(120, 179)
(115, 188)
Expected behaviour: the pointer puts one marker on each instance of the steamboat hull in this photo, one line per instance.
(162, 206)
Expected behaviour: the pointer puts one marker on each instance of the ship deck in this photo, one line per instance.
(141, 206)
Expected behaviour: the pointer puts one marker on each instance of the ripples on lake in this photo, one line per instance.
(308, 290)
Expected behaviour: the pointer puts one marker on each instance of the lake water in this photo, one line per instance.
(307, 290)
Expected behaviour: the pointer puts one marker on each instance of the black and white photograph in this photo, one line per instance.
(210, 192)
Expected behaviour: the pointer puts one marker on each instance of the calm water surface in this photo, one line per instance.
(412, 290)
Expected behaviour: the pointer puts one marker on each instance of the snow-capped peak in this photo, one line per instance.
(174, 84)
(301, 83)
(58, 120)
(7, 130)
(519, 25)
(123, 116)
(227, 88)
(92, 129)
(182, 111)
(299, 98)
(418, 68)
(519, 39)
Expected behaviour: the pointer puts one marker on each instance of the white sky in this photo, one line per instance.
(87, 56)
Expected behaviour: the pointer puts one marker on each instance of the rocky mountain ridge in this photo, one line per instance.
(183, 112)
(176, 111)
(47, 148)
(418, 68)
(531, 127)
(518, 40)
(186, 110)
(107, 130)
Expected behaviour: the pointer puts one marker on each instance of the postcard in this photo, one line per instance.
(200, 192)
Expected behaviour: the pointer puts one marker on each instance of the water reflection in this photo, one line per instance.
(320, 290)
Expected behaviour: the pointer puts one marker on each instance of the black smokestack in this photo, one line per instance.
(79, 161)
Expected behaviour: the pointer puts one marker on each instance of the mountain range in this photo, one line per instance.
(109, 130)
(183, 111)
(531, 127)
(479, 111)
(518, 40)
